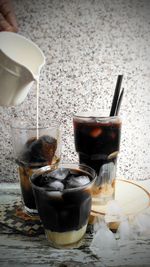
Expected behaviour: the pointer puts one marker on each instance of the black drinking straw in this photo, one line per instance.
(116, 95)
(119, 102)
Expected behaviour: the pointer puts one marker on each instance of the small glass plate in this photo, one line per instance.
(132, 198)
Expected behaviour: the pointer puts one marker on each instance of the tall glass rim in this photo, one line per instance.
(23, 125)
(84, 115)
(64, 165)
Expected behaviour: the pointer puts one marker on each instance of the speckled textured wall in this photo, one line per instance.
(87, 44)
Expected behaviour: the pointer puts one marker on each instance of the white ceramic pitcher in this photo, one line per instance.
(20, 64)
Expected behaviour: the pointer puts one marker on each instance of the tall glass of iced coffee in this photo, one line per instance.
(97, 141)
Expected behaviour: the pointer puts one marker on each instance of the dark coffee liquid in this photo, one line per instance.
(97, 144)
(36, 153)
(26, 189)
(63, 201)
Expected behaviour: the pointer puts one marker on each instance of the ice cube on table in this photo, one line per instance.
(141, 224)
(125, 231)
(60, 173)
(104, 239)
(73, 182)
(97, 223)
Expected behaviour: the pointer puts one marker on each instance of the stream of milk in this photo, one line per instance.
(37, 108)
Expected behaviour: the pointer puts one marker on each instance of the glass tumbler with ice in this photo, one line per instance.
(97, 141)
(34, 148)
(63, 199)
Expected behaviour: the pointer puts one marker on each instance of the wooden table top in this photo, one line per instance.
(19, 250)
